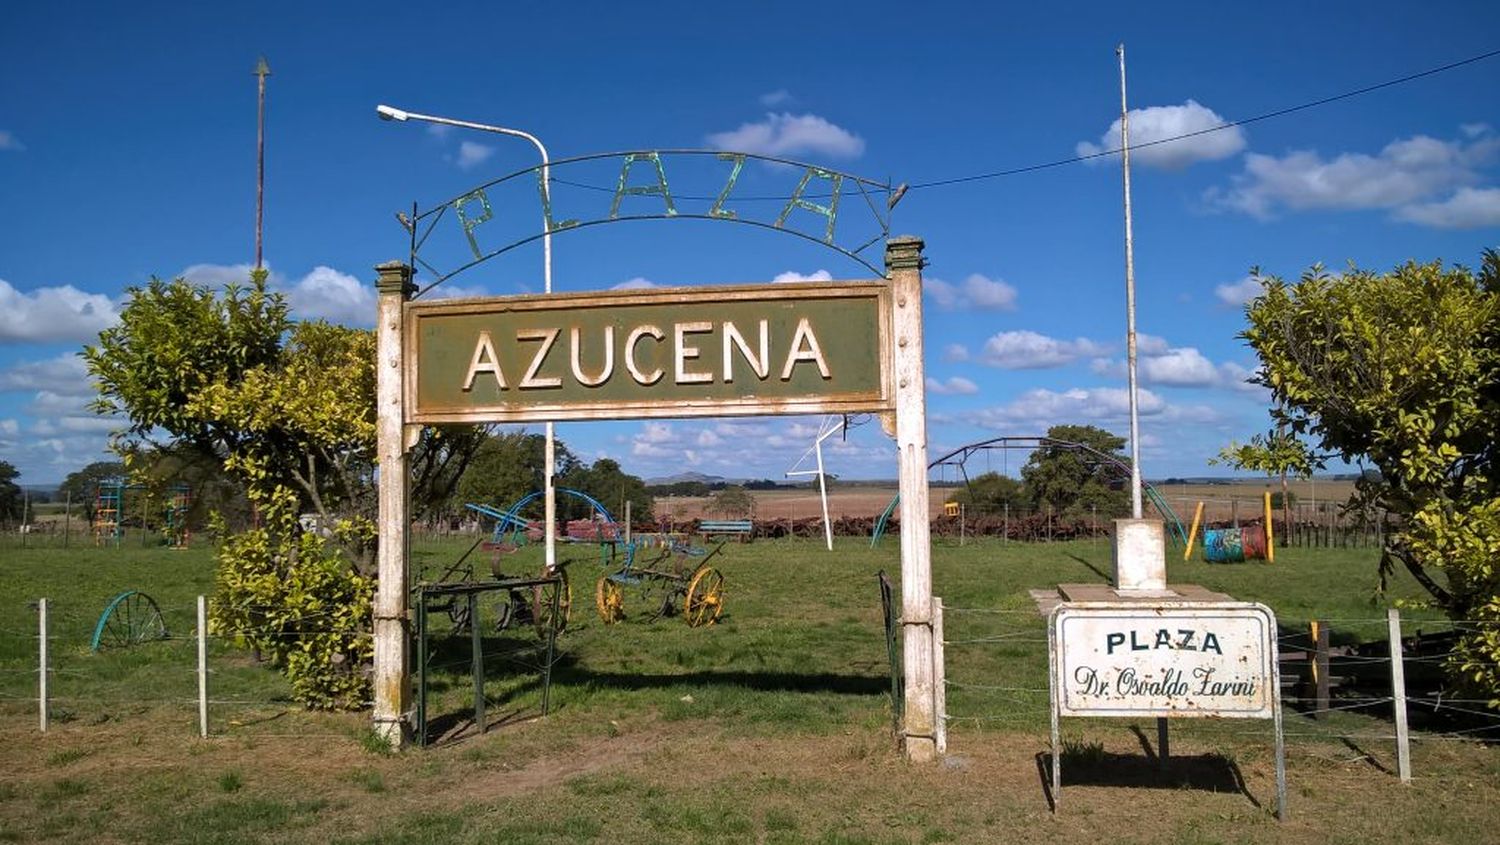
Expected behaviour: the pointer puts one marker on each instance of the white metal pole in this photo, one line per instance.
(1135, 423)
(203, 666)
(41, 696)
(940, 680)
(1398, 695)
(823, 493)
(549, 486)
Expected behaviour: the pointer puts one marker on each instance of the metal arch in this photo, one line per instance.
(418, 232)
(963, 453)
(512, 515)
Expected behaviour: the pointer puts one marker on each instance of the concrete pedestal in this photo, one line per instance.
(1140, 556)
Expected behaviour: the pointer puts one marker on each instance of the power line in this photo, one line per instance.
(1015, 171)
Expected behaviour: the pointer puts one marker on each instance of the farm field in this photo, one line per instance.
(772, 726)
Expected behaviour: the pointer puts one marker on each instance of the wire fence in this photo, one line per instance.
(1339, 691)
(162, 665)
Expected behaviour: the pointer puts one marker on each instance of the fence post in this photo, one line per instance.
(68, 520)
(1319, 667)
(41, 697)
(1398, 695)
(940, 680)
(203, 666)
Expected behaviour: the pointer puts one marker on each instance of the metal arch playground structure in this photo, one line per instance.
(959, 458)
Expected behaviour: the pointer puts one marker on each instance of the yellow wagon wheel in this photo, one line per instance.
(541, 603)
(609, 600)
(705, 597)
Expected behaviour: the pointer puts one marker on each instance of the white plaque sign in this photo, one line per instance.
(1188, 659)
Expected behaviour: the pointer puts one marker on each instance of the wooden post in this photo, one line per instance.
(391, 681)
(1193, 532)
(41, 651)
(940, 679)
(1398, 695)
(476, 661)
(68, 520)
(203, 666)
(1320, 667)
(1270, 535)
(903, 262)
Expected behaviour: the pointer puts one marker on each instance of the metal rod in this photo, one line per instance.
(476, 643)
(1135, 422)
(421, 726)
(203, 666)
(1398, 695)
(551, 646)
(41, 697)
(262, 70)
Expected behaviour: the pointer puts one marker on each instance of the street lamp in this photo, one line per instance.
(549, 487)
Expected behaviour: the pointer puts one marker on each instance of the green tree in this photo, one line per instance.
(733, 500)
(510, 465)
(605, 481)
(991, 492)
(1077, 482)
(287, 409)
(1278, 453)
(11, 499)
(1400, 371)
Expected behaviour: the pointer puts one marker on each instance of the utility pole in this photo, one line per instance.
(262, 70)
(1135, 423)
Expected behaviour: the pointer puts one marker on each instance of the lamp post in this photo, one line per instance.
(550, 491)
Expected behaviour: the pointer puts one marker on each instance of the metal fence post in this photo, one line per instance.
(203, 666)
(940, 680)
(41, 615)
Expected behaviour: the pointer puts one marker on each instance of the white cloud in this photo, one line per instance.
(1027, 350)
(9, 427)
(637, 283)
(955, 352)
(779, 97)
(784, 134)
(322, 294)
(471, 154)
(794, 276)
(1150, 344)
(8, 141)
(955, 386)
(1185, 367)
(327, 294)
(54, 314)
(976, 291)
(51, 403)
(1157, 123)
(1044, 408)
(439, 130)
(1406, 171)
(66, 374)
(1470, 208)
(1238, 293)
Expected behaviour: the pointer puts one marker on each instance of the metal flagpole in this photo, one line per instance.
(1135, 423)
(262, 70)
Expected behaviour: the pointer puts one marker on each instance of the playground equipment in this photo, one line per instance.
(175, 517)
(130, 618)
(959, 459)
(1234, 545)
(109, 503)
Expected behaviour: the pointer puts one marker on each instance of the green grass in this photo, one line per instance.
(771, 726)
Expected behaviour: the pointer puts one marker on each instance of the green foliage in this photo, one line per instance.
(1077, 482)
(991, 492)
(605, 481)
(296, 601)
(508, 466)
(11, 499)
(1401, 371)
(1280, 500)
(733, 500)
(1273, 454)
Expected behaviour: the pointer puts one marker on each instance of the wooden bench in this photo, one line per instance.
(741, 528)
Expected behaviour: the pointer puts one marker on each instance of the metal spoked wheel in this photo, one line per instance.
(541, 604)
(609, 600)
(705, 597)
(129, 619)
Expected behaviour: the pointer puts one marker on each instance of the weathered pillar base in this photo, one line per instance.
(1140, 556)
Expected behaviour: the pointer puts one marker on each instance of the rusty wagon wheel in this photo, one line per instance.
(541, 603)
(705, 597)
(609, 600)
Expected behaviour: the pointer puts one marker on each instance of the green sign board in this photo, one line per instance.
(658, 352)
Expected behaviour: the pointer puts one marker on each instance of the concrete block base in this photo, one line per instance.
(1140, 556)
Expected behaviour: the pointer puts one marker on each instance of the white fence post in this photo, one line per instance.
(940, 680)
(1398, 696)
(203, 666)
(41, 697)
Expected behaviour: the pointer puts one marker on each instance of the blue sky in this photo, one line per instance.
(127, 150)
